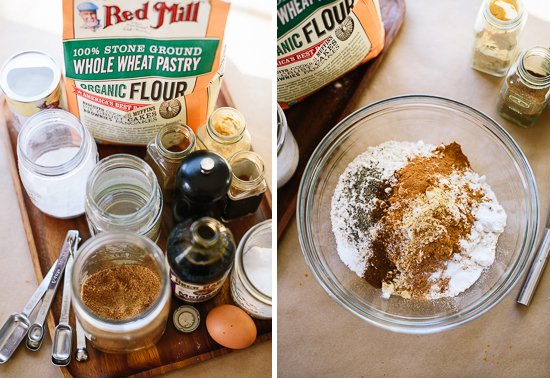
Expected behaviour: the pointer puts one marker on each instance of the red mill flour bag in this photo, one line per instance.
(134, 66)
(320, 40)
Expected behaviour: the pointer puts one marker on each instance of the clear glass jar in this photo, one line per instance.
(251, 279)
(200, 254)
(224, 133)
(108, 250)
(172, 143)
(55, 156)
(122, 194)
(526, 90)
(288, 154)
(497, 29)
(247, 185)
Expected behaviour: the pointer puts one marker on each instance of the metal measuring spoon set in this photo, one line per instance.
(19, 325)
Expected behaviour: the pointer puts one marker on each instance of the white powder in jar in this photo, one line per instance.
(63, 195)
(257, 265)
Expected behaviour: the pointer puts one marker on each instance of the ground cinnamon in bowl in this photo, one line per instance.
(122, 292)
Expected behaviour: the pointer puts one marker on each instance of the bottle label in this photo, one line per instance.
(195, 293)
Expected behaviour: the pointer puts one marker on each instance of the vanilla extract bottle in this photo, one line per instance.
(200, 254)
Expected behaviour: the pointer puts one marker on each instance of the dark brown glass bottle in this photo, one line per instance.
(200, 254)
(247, 185)
(202, 181)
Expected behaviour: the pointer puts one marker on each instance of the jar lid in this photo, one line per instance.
(186, 318)
(203, 176)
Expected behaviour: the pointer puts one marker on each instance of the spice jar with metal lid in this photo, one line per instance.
(200, 254)
(287, 150)
(202, 181)
(526, 90)
(31, 81)
(172, 143)
(497, 30)
(56, 154)
(247, 185)
(225, 133)
(122, 194)
(251, 284)
(121, 318)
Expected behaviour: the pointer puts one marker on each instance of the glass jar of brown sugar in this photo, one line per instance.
(121, 291)
(172, 143)
(247, 185)
(526, 89)
(224, 133)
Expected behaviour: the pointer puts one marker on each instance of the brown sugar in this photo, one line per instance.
(421, 223)
(120, 293)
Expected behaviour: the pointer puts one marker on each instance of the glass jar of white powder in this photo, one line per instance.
(498, 27)
(251, 286)
(287, 150)
(55, 156)
(123, 194)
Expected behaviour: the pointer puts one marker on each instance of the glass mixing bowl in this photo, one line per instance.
(492, 152)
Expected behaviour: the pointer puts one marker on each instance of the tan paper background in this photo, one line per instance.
(317, 337)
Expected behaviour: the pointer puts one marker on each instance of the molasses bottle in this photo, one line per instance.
(202, 181)
(200, 254)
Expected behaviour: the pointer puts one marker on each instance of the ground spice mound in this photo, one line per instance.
(422, 221)
(121, 292)
(415, 220)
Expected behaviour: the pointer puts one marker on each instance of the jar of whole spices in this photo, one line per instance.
(202, 181)
(121, 291)
(526, 90)
(247, 185)
(200, 254)
(56, 154)
(225, 133)
(172, 143)
(498, 27)
(122, 194)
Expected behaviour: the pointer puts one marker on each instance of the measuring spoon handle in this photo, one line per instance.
(39, 292)
(36, 331)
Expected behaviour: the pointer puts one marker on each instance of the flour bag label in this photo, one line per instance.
(135, 66)
(320, 40)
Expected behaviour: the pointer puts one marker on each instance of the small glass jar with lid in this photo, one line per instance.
(122, 194)
(497, 30)
(287, 150)
(107, 251)
(225, 133)
(56, 154)
(172, 143)
(202, 182)
(200, 254)
(251, 279)
(247, 185)
(526, 90)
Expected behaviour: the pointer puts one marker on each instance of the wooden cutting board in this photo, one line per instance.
(175, 349)
(311, 119)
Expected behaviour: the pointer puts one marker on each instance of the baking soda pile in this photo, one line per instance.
(416, 220)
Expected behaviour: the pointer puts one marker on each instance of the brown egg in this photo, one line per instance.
(231, 327)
